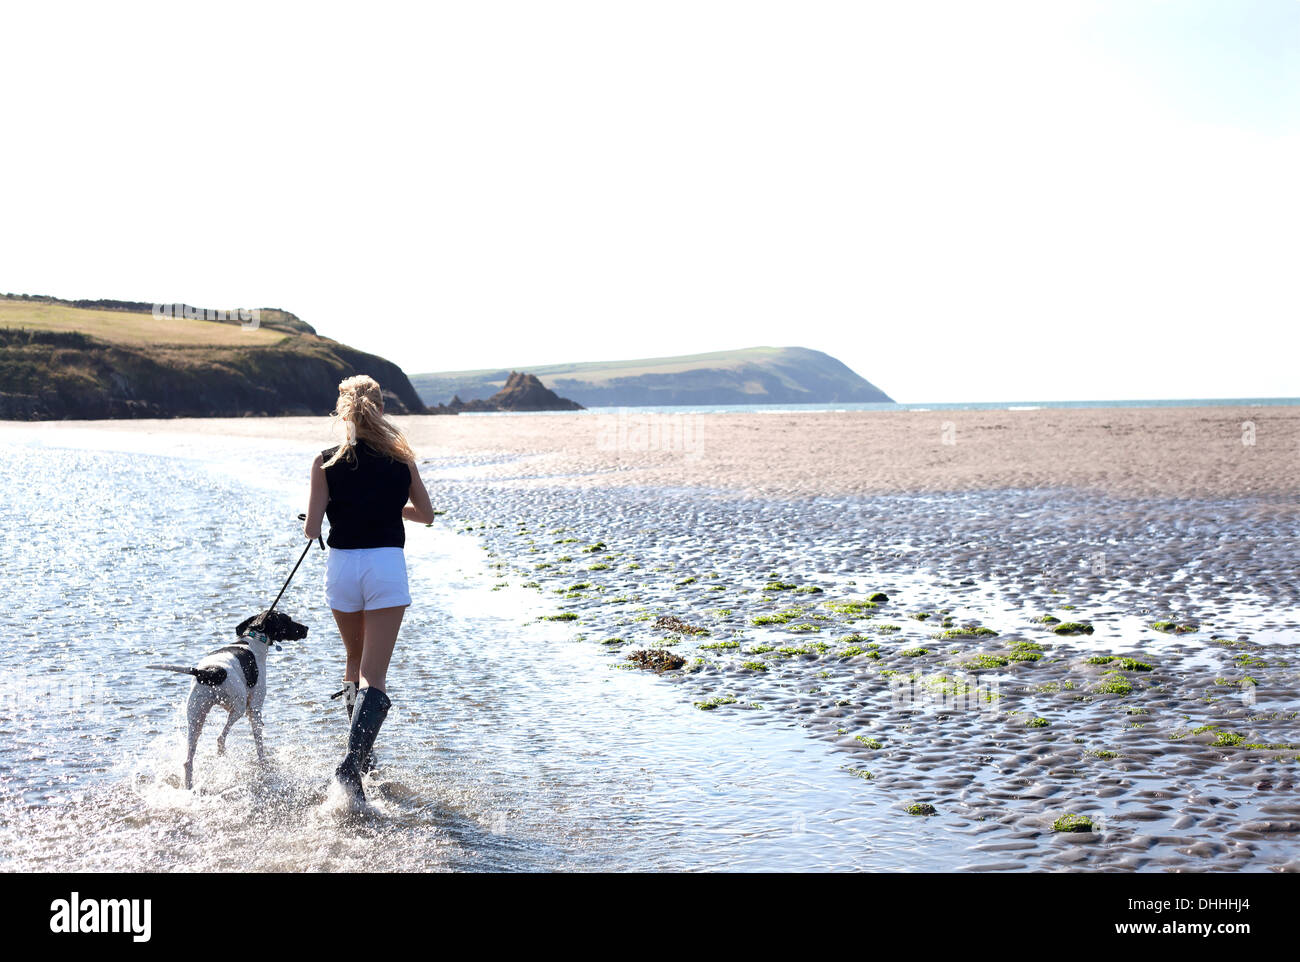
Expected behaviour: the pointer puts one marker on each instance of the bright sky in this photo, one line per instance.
(962, 201)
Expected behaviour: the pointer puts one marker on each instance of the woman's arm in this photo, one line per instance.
(420, 509)
(320, 495)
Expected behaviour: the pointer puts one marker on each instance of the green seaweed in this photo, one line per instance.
(1052, 687)
(1116, 684)
(851, 607)
(968, 631)
(1072, 823)
(1173, 627)
(715, 702)
(981, 662)
(1073, 628)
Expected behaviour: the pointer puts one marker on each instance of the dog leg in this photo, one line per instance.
(255, 721)
(196, 710)
(235, 714)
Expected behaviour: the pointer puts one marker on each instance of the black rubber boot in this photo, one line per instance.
(350, 690)
(367, 718)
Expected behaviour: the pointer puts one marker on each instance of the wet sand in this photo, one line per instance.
(953, 697)
(1180, 452)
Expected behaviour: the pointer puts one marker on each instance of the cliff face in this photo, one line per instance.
(64, 374)
(523, 392)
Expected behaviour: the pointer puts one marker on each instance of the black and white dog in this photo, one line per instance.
(234, 677)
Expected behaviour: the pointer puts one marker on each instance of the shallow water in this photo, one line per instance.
(509, 747)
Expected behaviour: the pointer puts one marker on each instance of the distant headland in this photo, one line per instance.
(755, 375)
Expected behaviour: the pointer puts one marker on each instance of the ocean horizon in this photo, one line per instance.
(789, 408)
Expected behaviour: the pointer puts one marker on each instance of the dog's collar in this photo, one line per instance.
(255, 635)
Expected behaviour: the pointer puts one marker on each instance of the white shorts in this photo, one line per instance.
(361, 579)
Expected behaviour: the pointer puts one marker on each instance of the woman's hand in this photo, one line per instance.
(320, 495)
(420, 509)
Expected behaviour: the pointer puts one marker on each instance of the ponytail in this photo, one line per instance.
(360, 408)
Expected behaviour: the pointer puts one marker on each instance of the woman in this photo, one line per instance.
(364, 486)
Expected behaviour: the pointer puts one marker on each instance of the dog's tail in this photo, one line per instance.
(204, 676)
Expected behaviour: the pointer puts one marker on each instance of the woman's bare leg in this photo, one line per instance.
(352, 628)
(381, 626)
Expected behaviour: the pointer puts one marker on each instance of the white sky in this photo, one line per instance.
(962, 201)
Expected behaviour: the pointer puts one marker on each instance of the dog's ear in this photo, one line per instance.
(239, 631)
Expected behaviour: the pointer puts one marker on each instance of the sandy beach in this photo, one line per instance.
(1175, 452)
(998, 621)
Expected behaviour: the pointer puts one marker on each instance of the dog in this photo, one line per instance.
(234, 677)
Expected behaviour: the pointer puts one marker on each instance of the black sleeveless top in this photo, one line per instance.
(367, 495)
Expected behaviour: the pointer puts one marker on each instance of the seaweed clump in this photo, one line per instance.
(1173, 627)
(674, 624)
(656, 659)
(1073, 628)
(1072, 823)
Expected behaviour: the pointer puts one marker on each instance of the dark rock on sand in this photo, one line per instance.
(523, 392)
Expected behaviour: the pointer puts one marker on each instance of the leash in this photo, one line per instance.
(301, 517)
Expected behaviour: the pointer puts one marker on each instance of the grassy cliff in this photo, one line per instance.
(756, 375)
(115, 359)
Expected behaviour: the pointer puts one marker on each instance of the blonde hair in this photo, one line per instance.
(360, 408)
